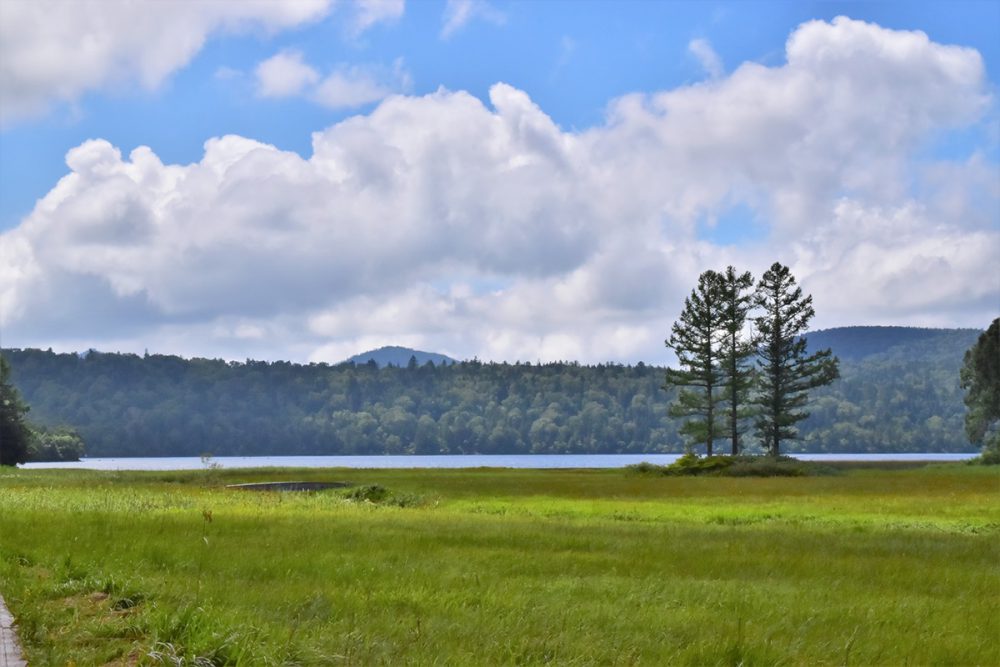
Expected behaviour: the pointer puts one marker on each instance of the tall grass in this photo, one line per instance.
(504, 567)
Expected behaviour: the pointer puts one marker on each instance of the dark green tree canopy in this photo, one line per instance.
(980, 378)
(14, 433)
(787, 371)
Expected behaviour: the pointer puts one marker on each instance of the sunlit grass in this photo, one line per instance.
(505, 567)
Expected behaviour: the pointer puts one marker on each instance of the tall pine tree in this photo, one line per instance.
(696, 341)
(736, 298)
(787, 372)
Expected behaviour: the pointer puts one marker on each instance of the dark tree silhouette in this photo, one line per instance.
(980, 378)
(14, 433)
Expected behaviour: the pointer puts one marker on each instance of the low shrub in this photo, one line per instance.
(692, 464)
(379, 495)
(372, 493)
(405, 500)
(989, 457)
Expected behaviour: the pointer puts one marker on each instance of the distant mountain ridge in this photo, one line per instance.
(855, 343)
(848, 343)
(394, 355)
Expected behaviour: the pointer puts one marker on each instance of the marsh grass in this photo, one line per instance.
(504, 567)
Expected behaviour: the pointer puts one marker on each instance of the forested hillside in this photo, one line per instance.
(891, 396)
(904, 397)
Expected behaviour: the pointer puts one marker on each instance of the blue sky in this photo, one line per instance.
(603, 83)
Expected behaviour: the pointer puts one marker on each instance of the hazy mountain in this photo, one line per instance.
(393, 355)
(854, 343)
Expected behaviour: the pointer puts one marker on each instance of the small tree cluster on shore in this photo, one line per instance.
(721, 388)
(19, 441)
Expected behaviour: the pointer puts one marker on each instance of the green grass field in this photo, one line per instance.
(470, 567)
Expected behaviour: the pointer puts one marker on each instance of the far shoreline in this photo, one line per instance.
(453, 461)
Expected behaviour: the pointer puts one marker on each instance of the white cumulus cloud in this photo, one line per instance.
(445, 223)
(284, 74)
(54, 51)
(348, 87)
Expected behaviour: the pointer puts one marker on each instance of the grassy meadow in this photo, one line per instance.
(486, 566)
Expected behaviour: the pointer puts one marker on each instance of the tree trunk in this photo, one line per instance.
(711, 425)
(734, 396)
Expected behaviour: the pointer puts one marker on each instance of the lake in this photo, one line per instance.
(442, 461)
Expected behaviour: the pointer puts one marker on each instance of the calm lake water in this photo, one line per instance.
(463, 461)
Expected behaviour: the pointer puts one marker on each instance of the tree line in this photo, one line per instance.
(729, 375)
(905, 398)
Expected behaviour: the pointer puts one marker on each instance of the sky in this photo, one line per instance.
(530, 181)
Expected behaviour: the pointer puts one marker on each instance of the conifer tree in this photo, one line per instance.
(787, 372)
(696, 341)
(736, 300)
(14, 433)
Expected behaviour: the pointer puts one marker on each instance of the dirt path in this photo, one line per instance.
(10, 650)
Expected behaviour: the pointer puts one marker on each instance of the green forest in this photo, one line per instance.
(898, 392)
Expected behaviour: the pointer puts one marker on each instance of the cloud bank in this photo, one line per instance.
(481, 229)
